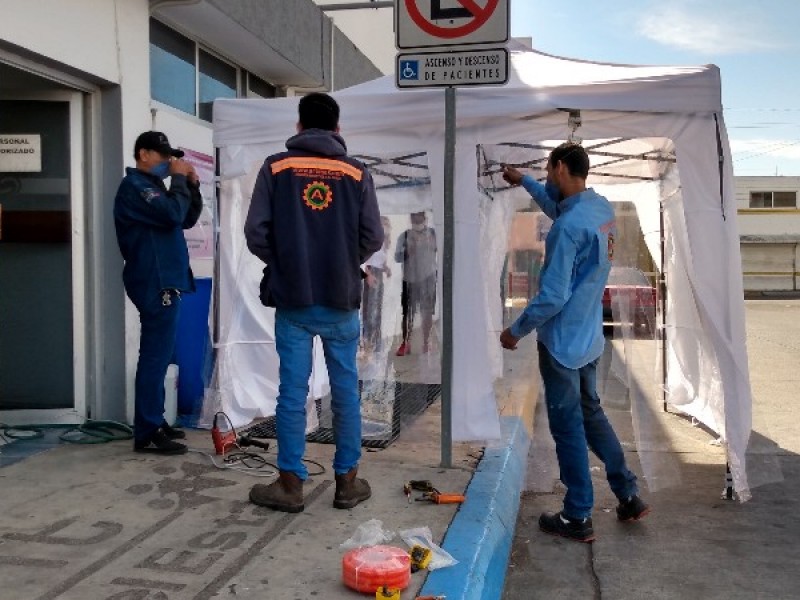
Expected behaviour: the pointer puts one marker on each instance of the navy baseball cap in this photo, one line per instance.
(155, 140)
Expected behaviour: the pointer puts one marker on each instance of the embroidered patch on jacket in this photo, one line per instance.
(317, 195)
(149, 194)
(310, 166)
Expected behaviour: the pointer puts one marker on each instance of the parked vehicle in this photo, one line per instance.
(629, 293)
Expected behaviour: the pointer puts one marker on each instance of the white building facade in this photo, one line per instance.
(79, 81)
(769, 230)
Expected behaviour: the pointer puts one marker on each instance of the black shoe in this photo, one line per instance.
(632, 509)
(574, 529)
(172, 433)
(159, 443)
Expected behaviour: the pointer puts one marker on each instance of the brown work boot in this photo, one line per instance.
(284, 494)
(350, 490)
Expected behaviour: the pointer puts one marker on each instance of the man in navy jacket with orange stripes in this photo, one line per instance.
(314, 220)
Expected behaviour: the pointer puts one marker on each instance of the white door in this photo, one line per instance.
(42, 260)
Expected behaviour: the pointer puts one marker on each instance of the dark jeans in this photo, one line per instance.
(578, 424)
(156, 350)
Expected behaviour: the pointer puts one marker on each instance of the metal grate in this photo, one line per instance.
(404, 401)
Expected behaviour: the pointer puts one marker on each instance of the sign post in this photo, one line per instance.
(446, 42)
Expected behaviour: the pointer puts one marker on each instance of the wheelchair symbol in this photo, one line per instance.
(409, 69)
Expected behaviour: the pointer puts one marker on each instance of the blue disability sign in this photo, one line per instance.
(409, 69)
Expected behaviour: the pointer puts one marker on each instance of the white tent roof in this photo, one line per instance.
(707, 363)
(537, 82)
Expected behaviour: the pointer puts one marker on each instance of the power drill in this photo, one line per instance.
(222, 441)
(225, 441)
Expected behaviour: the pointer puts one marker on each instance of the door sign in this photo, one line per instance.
(20, 153)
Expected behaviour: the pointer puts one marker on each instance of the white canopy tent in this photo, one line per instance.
(666, 120)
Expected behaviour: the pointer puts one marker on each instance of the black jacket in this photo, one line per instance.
(150, 221)
(313, 220)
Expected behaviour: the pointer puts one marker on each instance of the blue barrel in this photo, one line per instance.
(193, 352)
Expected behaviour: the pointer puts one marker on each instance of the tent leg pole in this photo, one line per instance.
(215, 242)
(728, 482)
(662, 288)
(447, 276)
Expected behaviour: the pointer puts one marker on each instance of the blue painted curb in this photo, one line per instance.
(481, 532)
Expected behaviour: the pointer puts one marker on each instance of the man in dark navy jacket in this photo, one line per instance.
(150, 221)
(314, 220)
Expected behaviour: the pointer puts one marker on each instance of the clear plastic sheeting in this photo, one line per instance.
(632, 375)
(399, 308)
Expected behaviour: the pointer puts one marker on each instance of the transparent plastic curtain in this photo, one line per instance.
(394, 388)
(630, 371)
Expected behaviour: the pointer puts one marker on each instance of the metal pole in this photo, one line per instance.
(728, 482)
(447, 275)
(215, 242)
(662, 289)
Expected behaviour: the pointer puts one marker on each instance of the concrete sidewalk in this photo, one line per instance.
(101, 522)
(694, 544)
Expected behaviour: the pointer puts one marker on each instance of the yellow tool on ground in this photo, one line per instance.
(420, 558)
(384, 593)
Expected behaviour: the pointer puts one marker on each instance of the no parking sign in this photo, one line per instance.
(438, 23)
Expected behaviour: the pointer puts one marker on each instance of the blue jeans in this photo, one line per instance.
(578, 424)
(156, 350)
(339, 331)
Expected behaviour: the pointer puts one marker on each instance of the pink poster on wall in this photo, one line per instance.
(200, 238)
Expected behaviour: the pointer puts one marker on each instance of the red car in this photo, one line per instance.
(631, 294)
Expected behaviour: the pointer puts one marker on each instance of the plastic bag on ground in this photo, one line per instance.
(370, 533)
(421, 536)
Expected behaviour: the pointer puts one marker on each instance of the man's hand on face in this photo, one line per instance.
(512, 175)
(178, 166)
(508, 341)
(193, 177)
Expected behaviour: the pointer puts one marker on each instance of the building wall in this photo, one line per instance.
(770, 237)
(104, 45)
(25, 23)
(370, 29)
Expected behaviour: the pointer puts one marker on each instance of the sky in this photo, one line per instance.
(755, 43)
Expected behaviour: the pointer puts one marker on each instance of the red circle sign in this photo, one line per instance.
(479, 17)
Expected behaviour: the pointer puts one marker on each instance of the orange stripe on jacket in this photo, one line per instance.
(324, 164)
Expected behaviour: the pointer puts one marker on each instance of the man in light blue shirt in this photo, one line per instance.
(567, 314)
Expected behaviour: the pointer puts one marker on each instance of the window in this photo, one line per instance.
(258, 88)
(188, 77)
(172, 68)
(217, 80)
(773, 199)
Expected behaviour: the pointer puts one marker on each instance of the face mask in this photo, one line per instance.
(553, 191)
(418, 226)
(161, 170)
